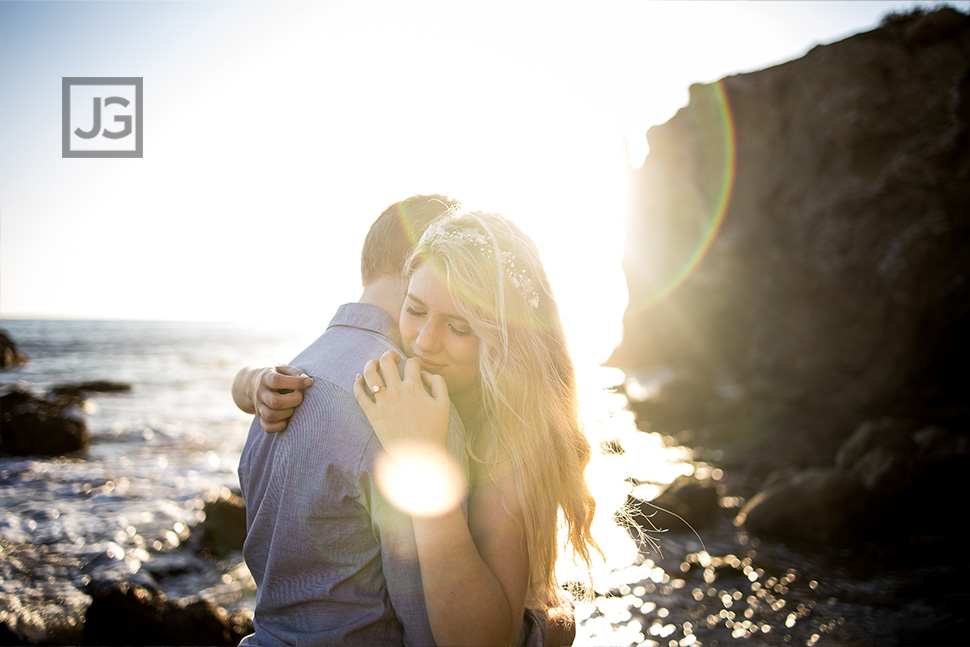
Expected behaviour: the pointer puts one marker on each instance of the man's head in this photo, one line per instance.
(394, 234)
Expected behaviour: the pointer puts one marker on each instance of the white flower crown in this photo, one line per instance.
(520, 279)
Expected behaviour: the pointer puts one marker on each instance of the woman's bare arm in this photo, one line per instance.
(474, 573)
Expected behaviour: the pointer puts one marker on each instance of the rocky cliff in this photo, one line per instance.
(799, 246)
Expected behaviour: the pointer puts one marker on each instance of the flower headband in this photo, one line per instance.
(520, 279)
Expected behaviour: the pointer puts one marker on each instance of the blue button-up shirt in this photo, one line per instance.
(334, 562)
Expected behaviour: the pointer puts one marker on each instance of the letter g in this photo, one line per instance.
(124, 119)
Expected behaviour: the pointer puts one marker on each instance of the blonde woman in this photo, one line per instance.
(481, 327)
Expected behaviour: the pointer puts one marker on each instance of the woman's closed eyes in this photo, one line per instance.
(458, 331)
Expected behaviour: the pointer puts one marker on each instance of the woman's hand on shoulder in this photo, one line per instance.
(403, 410)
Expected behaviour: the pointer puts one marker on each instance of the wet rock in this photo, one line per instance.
(10, 355)
(937, 447)
(906, 470)
(129, 614)
(686, 506)
(240, 624)
(81, 389)
(888, 472)
(886, 434)
(224, 528)
(815, 505)
(107, 571)
(837, 282)
(694, 502)
(880, 454)
(933, 471)
(35, 427)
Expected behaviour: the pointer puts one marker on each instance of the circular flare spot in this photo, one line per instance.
(420, 480)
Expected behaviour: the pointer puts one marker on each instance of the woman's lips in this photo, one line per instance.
(431, 366)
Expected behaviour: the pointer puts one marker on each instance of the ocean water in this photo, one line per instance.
(125, 507)
(157, 452)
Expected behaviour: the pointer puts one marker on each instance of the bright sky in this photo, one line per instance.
(275, 132)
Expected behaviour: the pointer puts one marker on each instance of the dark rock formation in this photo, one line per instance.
(10, 355)
(81, 389)
(130, 614)
(837, 286)
(889, 478)
(224, 528)
(48, 598)
(815, 505)
(30, 426)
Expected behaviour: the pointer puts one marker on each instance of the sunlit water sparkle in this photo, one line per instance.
(159, 450)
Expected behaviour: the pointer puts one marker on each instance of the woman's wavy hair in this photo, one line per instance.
(529, 404)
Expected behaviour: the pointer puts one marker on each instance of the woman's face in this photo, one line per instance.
(432, 330)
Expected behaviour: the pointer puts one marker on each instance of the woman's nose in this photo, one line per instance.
(428, 337)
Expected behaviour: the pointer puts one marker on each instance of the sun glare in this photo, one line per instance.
(420, 480)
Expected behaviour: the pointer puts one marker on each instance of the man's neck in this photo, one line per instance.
(385, 292)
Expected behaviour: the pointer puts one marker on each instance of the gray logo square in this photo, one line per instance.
(101, 116)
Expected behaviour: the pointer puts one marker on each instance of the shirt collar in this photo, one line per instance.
(365, 316)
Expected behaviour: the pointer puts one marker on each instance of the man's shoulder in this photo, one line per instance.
(330, 415)
(328, 440)
(355, 335)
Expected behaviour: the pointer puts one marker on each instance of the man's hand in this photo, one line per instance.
(271, 393)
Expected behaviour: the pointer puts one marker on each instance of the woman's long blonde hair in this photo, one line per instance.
(529, 406)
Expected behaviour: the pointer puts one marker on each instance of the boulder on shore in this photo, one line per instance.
(10, 355)
(81, 389)
(224, 528)
(130, 614)
(815, 505)
(888, 474)
(31, 426)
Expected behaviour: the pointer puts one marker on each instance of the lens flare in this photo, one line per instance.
(420, 480)
(710, 114)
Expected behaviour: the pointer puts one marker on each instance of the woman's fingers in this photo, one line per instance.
(372, 375)
(382, 374)
(437, 384)
(412, 369)
(414, 409)
(388, 367)
(434, 384)
(361, 391)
